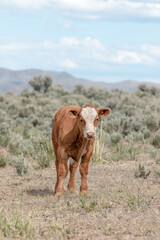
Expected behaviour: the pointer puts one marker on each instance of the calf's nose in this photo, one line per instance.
(90, 134)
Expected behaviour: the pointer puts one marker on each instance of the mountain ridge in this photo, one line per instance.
(17, 80)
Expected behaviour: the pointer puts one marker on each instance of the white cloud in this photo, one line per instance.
(13, 46)
(93, 9)
(68, 64)
(151, 49)
(69, 41)
(73, 53)
(86, 42)
(129, 57)
(32, 4)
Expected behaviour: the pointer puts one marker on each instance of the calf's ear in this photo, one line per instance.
(104, 112)
(73, 113)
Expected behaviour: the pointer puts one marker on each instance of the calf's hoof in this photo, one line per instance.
(58, 194)
(71, 190)
(84, 192)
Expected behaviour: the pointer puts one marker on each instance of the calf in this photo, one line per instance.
(73, 135)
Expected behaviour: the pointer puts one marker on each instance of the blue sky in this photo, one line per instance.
(100, 40)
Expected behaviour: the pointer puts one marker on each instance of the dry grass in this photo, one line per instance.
(118, 205)
(98, 146)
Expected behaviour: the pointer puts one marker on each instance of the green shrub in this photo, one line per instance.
(26, 93)
(153, 90)
(135, 137)
(116, 138)
(19, 121)
(2, 98)
(26, 101)
(47, 82)
(4, 128)
(146, 132)
(21, 165)
(15, 144)
(142, 172)
(19, 144)
(136, 125)
(3, 115)
(151, 123)
(128, 110)
(156, 141)
(25, 112)
(143, 88)
(74, 99)
(12, 109)
(125, 125)
(3, 160)
(58, 91)
(79, 89)
(155, 154)
(37, 83)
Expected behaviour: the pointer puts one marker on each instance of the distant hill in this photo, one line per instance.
(16, 81)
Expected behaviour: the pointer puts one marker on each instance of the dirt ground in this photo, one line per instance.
(118, 205)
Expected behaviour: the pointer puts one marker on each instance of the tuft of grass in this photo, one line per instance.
(3, 160)
(4, 140)
(26, 134)
(157, 173)
(123, 152)
(64, 231)
(14, 226)
(44, 152)
(135, 202)
(87, 205)
(98, 147)
(43, 160)
(21, 165)
(142, 172)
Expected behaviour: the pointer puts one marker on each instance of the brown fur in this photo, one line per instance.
(68, 141)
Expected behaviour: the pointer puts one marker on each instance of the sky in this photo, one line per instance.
(101, 40)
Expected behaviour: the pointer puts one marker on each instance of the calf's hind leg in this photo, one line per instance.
(66, 167)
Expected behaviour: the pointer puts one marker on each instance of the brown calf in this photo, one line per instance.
(73, 135)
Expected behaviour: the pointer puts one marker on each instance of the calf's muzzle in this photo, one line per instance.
(90, 134)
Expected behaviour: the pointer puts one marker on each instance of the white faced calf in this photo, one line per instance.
(73, 134)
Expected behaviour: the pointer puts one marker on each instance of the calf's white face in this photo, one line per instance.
(87, 119)
(89, 115)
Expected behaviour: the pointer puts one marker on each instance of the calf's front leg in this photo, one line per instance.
(83, 168)
(62, 170)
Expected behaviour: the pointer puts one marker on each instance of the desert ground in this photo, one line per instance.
(118, 205)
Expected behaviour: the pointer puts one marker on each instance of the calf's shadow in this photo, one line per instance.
(40, 192)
